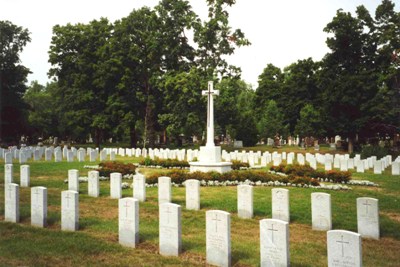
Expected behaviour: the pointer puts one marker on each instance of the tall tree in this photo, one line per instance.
(13, 77)
(271, 121)
(310, 123)
(78, 54)
(270, 87)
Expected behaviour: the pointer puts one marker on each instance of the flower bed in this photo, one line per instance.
(164, 163)
(307, 171)
(108, 167)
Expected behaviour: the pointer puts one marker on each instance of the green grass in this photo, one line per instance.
(96, 242)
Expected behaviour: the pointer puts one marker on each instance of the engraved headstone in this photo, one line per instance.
(396, 168)
(139, 187)
(39, 206)
(115, 185)
(280, 204)
(8, 173)
(245, 201)
(170, 229)
(192, 194)
(164, 189)
(368, 217)
(321, 211)
(73, 180)
(93, 184)
(69, 210)
(218, 238)
(344, 248)
(128, 221)
(25, 175)
(274, 243)
(11, 197)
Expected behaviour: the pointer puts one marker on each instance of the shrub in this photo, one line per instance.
(165, 163)
(180, 176)
(236, 165)
(107, 167)
(373, 150)
(338, 176)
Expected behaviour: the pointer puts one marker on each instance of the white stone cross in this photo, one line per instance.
(210, 112)
(342, 242)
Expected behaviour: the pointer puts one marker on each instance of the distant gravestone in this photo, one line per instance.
(245, 201)
(280, 204)
(378, 167)
(128, 221)
(36, 155)
(321, 211)
(11, 212)
(300, 159)
(8, 158)
(8, 173)
(328, 165)
(396, 168)
(115, 185)
(93, 184)
(274, 243)
(25, 174)
(170, 231)
(112, 155)
(48, 154)
(344, 248)
(344, 165)
(22, 157)
(192, 194)
(73, 180)
(39, 206)
(368, 217)
(57, 156)
(139, 187)
(164, 190)
(218, 238)
(69, 210)
(93, 155)
(360, 166)
(81, 155)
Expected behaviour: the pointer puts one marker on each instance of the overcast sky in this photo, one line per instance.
(281, 32)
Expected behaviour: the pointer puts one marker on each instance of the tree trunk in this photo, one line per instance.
(148, 120)
(133, 136)
(351, 145)
(97, 134)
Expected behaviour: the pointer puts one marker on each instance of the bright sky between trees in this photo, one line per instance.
(281, 32)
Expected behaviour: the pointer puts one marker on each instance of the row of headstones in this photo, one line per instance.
(344, 247)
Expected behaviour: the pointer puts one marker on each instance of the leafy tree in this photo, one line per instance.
(43, 115)
(310, 123)
(271, 121)
(270, 87)
(78, 54)
(247, 132)
(13, 77)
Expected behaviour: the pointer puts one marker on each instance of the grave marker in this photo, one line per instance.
(69, 210)
(274, 243)
(164, 190)
(170, 229)
(11, 212)
(368, 217)
(93, 184)
(25, 175)
(39, 206)
(280, 204)
(73, 180)
(115, 185)
(192, 194)
(128, 221)
(321, 211)
(218, 238)
(344, 248)
(245, 201)
(139, 187)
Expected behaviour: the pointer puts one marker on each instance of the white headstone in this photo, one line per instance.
(93, 184)
(192, 194)
(321, 211)
(8, 173)
(368, 217)
(344, 248)
(360, 166)
(8, 158)
(274, 243)
(112, 155)
(170, 229)
(139, 187)
(396, 168)
(48, 154)
(73, 180)
(218, 238)
(39, 206)
(70, 156)
(11, 212)
(245, 201)
(69, 210)
(115, 185)
(280, 204)
(164, 189)
(378, 167)
(22, 157)
(300, 159)
(128, 221)
(57, 156)
(25, 174)
(93, 155)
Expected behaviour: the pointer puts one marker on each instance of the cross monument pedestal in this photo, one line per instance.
(210, 154)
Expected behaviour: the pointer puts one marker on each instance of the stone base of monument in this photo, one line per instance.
(210, 160)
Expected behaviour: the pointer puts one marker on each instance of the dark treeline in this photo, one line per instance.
(140, 78)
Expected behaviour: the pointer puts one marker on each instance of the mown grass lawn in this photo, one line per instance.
(96, 243)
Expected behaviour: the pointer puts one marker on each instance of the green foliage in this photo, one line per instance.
(108, 167)
(237, 165)
(165, 163)
(271, 121)
(374, 150)
(296, 171)
(179, 177)
(247, 130)
(13, 77)
(310, 122)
